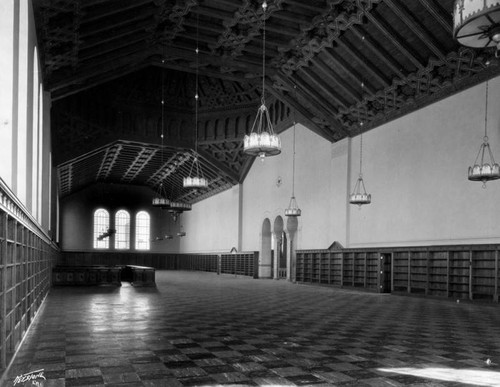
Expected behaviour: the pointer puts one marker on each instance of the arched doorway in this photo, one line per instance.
(265, 260)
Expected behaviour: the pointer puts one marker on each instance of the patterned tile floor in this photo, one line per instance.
(200, 329)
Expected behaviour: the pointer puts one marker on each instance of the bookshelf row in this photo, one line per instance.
(26, 260)
(460, 271)
(244, 263)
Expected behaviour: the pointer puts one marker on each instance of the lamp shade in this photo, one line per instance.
(476, 23)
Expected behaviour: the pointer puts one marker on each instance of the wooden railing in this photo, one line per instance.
(27, 256)
(459, 271)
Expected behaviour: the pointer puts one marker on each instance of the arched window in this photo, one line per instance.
(122, 224)
(142, 231)
(101, 226)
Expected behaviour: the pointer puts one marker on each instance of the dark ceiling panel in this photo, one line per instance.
(333, 63)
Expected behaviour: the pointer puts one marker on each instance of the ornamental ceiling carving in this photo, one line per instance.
(335, 63)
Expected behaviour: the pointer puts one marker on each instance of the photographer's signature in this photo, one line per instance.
(36, 377)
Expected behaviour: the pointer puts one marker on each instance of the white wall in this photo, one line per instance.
(415, 167)
(416, 170)
(212, 225)
(314, 182)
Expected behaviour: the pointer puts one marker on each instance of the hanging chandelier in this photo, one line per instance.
(195, 178)
(359, 195)
(476, 23)
(293, 208)
(262, 140)
(484, 168)
(160, 199)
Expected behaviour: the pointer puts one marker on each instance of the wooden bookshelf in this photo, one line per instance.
(457, 271)
(27, 256)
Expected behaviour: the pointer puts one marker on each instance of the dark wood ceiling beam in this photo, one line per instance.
(439, 14)
(291, 17)
(114, 10)
(145, 18)
(306, 5)
(95, 77)
(417, 28)
(379, 51)
(319, 84)
(341, 63)
(331, 74)
(395, 39)
(370, 69)
(230, 174)
(310, 94)
(111, 47)
(101, 40)
(304, 112)
(216, 61)
(211, 12)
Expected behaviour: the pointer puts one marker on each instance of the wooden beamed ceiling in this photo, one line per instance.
(342, 66)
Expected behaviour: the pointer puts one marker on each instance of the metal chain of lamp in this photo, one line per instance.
(359, 195)
(195, 179)
(160, 199)
(484, 168)
(293, 208)
(476, 23)
(262, 140)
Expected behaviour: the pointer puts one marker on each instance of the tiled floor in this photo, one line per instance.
(205, 330)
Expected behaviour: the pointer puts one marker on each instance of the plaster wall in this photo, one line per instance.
(416, 170)
(268, 187)
(77, 213)
(212, 224)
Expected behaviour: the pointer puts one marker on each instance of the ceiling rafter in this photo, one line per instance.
(309, 118)
(396, 39)
(327, 72)
(439, 14)
(340, 62)
(378, 50)
(362, 60)
(417, 29)
(320, 84)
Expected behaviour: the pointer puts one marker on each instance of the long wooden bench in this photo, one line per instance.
(139, 275)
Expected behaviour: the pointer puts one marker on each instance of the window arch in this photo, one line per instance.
(101, 225)
(142, 230)
(122, 225)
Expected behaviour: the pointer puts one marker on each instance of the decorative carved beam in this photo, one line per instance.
(138, 164)
(394, 37)
(439, 14)
(329, 74)
(417, 29)
(308, 117)
(319, 83)
(378, 50)
(216, 61)
(362, 60)
(97, 75)
(340, 62)
(230, 174)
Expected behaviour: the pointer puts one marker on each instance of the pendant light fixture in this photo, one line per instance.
(359, 195)
(195, 178)
(262, 140)
(160, 199)
(293, 208)
(476, 23)
(484, 168)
